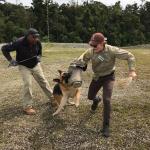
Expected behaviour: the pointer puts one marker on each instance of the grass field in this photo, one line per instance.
(76, 128)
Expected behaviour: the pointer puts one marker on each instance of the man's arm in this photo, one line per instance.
(86, 56)
(83, 60)
(39, 53)
(6, 49)
(125, 55)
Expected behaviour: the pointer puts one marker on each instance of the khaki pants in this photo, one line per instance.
(38, 75)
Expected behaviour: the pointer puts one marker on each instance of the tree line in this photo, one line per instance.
(75, 23)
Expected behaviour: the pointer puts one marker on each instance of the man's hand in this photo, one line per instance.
(13, 63)
(132, 74)
(82, 67)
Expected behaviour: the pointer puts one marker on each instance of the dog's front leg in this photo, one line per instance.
(77, 98)
(62, 104)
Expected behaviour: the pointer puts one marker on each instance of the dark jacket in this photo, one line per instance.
(26, 54)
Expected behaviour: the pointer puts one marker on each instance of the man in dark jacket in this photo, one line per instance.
(28, 53)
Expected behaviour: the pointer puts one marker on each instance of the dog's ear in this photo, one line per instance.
(60, 72)
(56, 80)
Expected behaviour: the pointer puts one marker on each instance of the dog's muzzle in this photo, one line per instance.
(77, 84)
(75, 68)
(75, 79)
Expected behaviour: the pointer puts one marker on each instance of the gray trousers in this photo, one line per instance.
(37, 73)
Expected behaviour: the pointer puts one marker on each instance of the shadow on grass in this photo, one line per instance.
(47, 133)
(90, 119)
(63, 130)
(11, 112)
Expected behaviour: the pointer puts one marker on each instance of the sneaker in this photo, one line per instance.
(95, 103)
(29, 111)
(105, 132)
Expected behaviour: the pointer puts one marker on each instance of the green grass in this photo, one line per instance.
(75, 128)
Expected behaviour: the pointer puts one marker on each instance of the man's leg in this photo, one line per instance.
(38, 75)
(94, 87)
(27, 89)
(107, 93)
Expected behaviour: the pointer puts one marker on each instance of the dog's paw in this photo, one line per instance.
(77, 104)
(54, 114)
(71, 103)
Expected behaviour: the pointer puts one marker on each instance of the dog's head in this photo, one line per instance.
(76, 67)
(63, 77)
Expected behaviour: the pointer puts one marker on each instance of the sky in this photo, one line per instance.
(106, 2)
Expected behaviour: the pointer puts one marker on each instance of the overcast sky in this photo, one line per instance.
(106, 2)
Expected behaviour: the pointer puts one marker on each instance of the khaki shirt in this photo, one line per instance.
(103, 63)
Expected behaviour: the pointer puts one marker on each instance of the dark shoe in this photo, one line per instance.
(95, 103)
(105, 132)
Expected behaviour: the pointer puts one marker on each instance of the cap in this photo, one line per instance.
(33, 32)
(96, 39)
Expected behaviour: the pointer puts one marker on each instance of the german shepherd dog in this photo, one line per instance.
(62, 91)
(68, 85)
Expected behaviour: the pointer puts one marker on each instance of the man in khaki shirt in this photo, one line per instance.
(103, 58)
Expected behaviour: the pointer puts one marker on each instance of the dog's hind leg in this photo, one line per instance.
(62, 104)
(77, 98)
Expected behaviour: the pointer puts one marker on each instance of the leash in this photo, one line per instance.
(22, 61)
(27, 59)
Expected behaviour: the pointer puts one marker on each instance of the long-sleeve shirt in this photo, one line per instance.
(26, 54)
(103, 62)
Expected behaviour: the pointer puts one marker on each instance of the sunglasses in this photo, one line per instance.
(94, 46)
(34, 37)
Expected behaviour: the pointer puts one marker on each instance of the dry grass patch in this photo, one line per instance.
(75, 129)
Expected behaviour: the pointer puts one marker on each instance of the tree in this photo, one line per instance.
(2, 25)
(75, 23)
(145, 20)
